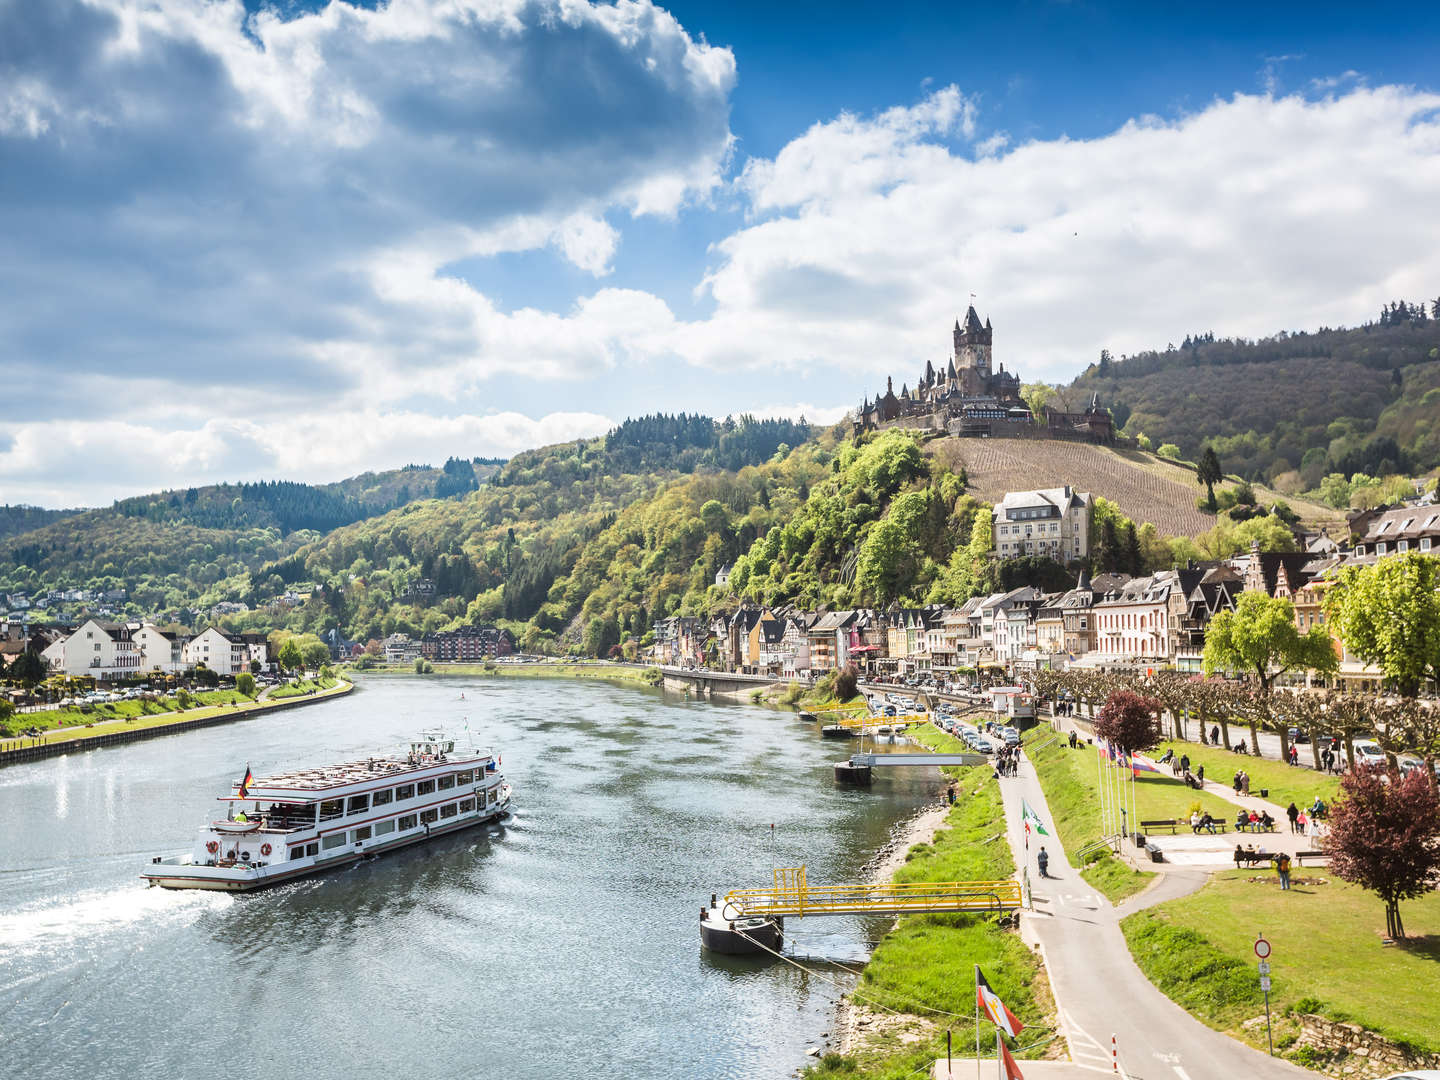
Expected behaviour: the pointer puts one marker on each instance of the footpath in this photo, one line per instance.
(1099, 991)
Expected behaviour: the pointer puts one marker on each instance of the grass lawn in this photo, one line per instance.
(301, 686)
(1072, 790)
(1116, 879)
(1285, 782)
(930, 959)
(213, 703)
(1328, 956)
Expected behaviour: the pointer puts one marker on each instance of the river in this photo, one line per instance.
(563, 943)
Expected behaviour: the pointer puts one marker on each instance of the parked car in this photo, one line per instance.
(1298, 736)
(1368, 753)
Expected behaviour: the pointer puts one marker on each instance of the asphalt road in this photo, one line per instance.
(1099, 991)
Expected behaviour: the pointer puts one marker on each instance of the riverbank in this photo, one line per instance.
(130, 729)
(628, 673)
(919, 982)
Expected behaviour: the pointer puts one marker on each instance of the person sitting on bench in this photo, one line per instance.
(1242, 821)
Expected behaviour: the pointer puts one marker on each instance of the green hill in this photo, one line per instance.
(1290, 409)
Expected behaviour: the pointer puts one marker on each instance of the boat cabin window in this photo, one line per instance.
(297, 852)
(494, 795)
(362, 833)
(446, 783)
(384, 828)
(312, 849)
(330, 809)
(359, 804)
(467, 806)
(463, 778)
(406, 821)
(429, 817)
(448, 810)
(382, 798)
(334, 840)
(404, 791)
(425, 787)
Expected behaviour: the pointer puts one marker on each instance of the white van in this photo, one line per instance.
(1368, 753)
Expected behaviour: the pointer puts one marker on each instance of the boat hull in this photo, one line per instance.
(250, 879)
(717, 935)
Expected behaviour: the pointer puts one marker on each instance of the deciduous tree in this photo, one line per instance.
(1130, 721)
(1389, 615)
(1260, 638)
(289, 658)
(1385, 837)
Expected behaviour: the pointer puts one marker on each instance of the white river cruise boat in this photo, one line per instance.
(283, 827)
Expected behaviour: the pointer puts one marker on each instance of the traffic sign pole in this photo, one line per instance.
(1262, 950)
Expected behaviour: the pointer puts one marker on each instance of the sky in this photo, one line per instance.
(303, 240)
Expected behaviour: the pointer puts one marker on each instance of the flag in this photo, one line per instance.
(1139, 764)
(993, 1007)
(245, 783)
(1007, 1063)
(1030, 819)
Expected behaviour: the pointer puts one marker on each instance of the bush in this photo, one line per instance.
(245, 684)
(423, 666)
(847, 683)
(1169, 450)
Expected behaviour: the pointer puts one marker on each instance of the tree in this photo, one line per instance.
(1389, 615)
(602, 634)
(1036, 396)
(1168, 450)
(1209, 473)
(1260, 638)
(28, 668)
(1130, 721)
(1385, 837)
(7, 710)
(316, 654)
(245, 684)
(289, 658)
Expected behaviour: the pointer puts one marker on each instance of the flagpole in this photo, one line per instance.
(999, 1057)
(977, 1022)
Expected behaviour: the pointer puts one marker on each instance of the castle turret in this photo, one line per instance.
(972, 348)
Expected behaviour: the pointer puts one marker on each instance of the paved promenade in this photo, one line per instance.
(1099, 991)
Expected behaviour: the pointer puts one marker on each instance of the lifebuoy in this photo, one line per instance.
(213, 846)
(265, 849)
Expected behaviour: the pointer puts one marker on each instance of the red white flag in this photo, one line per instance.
(1007, 1063)
(994, 1008)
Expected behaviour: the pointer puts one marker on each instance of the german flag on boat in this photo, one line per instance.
(246, 782)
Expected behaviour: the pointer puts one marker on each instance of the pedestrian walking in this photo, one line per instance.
(1184, 762)
(950, 794)
(1293, 813)
(1042, 860)
(1215, 734)
(1282, 870)
(1239, 775)
(1200, 775)
(1294, 755)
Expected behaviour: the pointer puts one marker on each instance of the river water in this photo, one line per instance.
(563, 943)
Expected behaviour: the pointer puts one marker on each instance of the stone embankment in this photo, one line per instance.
(1349, 1050)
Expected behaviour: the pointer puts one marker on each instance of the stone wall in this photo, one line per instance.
(1350, 1050)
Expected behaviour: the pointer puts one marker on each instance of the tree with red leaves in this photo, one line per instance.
(1385, 837)
(1130, 721)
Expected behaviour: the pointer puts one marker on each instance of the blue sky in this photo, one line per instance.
(309, 239)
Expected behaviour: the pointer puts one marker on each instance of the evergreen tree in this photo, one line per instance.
(1209, 473)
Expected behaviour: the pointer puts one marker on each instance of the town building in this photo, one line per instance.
(102, 650)
(467, 644)
(1053, 522)
(225, 653)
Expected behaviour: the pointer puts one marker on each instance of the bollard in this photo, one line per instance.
(1114, 1053)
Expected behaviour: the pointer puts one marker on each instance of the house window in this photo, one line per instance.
(1425, 543)
(1380, 548)
(1403, 546)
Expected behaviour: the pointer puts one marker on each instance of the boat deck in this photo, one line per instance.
(354, 772)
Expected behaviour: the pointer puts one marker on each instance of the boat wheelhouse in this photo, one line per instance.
(282, 827)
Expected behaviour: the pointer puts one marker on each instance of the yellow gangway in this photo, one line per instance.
(791, 895)
(883, 721)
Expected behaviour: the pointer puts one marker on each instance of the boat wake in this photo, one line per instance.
(38, 926)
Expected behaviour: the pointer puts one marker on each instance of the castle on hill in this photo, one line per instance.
(971, 397)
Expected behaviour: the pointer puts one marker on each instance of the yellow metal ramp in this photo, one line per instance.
(791, 895)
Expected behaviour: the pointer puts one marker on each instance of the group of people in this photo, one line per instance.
(1249, 856)
(1200, 821)
(1250, 821)
(1241, 783)
(1007, 761)
(1306, 824)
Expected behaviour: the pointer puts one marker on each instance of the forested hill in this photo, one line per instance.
(19, 519)
(1292, 408)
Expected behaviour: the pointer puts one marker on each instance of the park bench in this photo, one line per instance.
(1163, 823)
(1301, 856)
(1250, 858)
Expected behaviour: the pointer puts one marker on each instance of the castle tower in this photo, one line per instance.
(972, 345)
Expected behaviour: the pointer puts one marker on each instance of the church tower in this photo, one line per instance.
(972, 345)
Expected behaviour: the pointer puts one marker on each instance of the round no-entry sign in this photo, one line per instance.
(1262, 948)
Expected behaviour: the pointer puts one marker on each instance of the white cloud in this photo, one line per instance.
(1253, 215)
(191, 192)
(62, 463)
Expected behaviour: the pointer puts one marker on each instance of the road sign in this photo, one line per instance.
(1262, 948)
(1265, 983)
(1264, 967)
